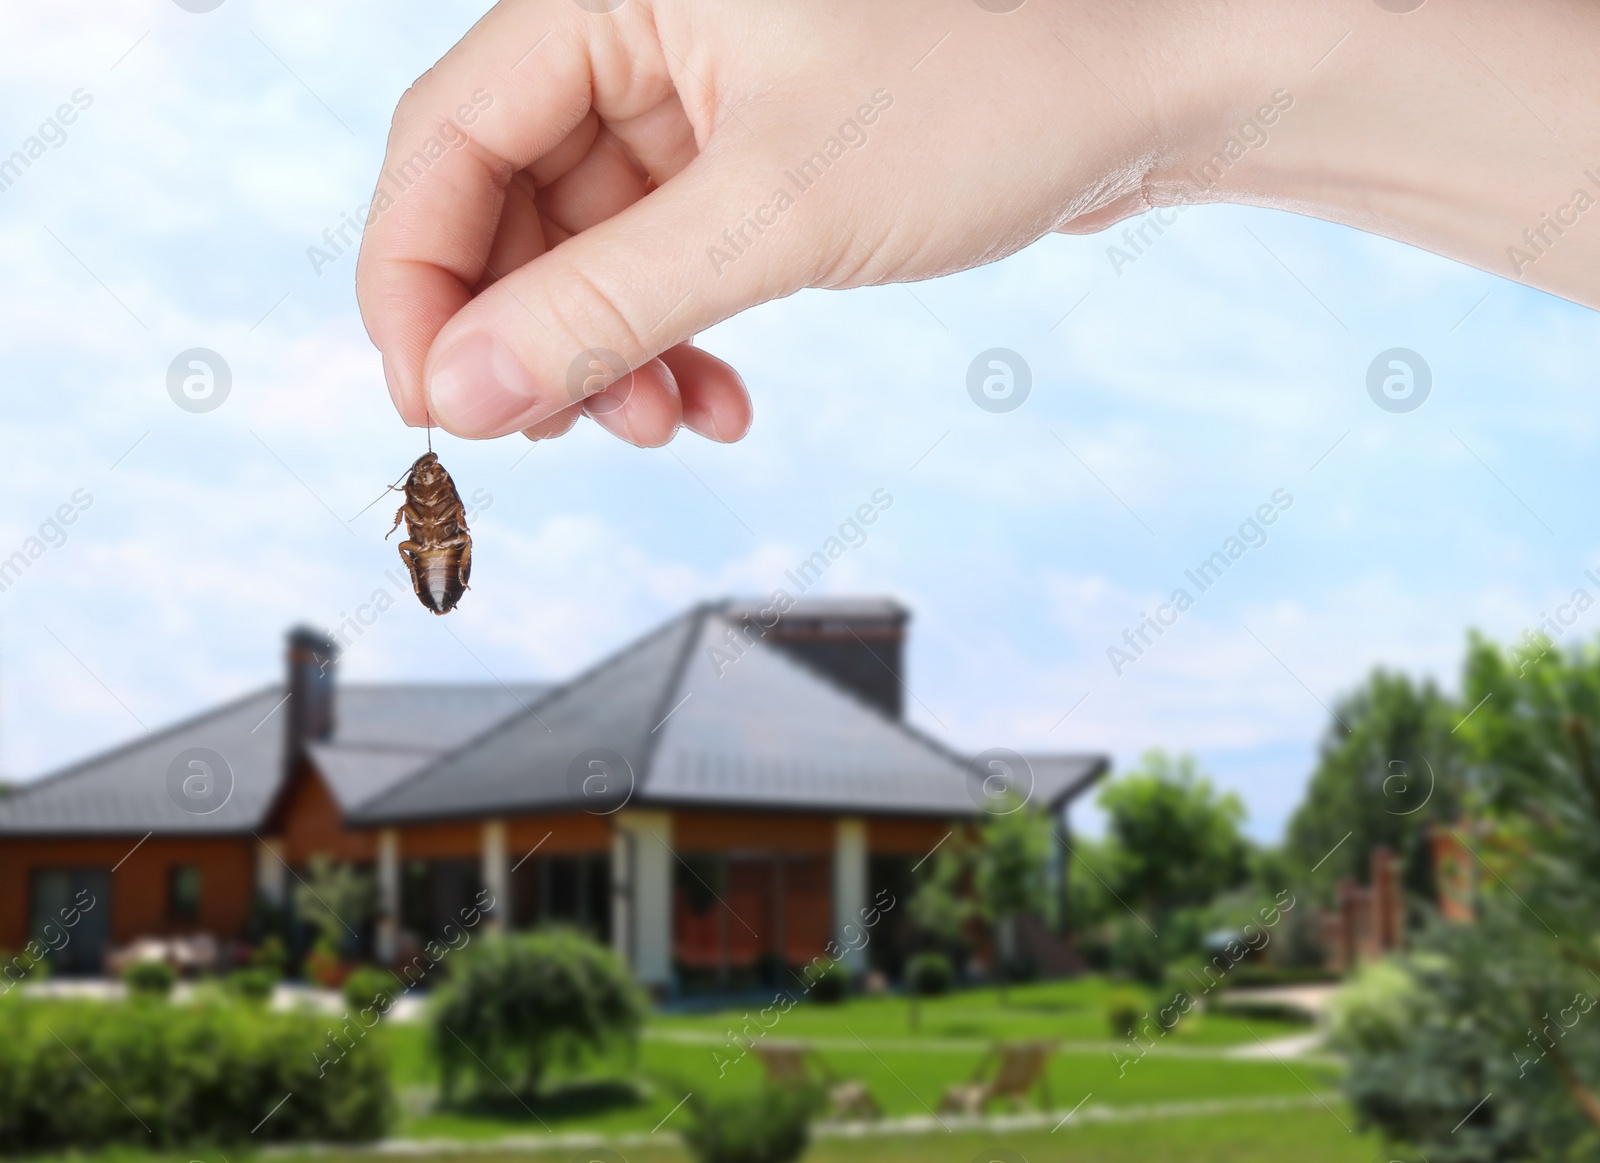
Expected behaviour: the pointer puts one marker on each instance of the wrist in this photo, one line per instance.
(1461, 129)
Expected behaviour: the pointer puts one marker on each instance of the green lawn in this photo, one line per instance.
(870, 1039)
(1254, 1109)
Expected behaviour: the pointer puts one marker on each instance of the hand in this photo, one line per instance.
(570, 193)
(607, 185)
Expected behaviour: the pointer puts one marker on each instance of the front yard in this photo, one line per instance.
(870, 1040)
(1214, 1088)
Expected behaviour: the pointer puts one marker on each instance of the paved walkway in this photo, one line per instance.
(1295, 1046)
(406, 1008)
(1313, 1000)
(1056, 1121)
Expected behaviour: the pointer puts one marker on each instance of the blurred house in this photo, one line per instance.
(717, 800)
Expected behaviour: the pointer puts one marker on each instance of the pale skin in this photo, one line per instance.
(585, 207)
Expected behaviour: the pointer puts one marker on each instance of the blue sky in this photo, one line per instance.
(1179, 393)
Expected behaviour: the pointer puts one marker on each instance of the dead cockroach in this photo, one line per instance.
(437, 549)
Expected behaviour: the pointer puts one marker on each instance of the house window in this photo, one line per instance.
(564, 890)
(183, 892)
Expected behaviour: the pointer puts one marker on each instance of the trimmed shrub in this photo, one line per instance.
(91, 1074)
(929, 974)
(251, 985)
(828, 983)
(149, 979)
(370, 986)
(771, 1125)
(516, 1005)
(1124, 1010)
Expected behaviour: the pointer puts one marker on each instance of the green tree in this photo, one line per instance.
(1012, 877)
(997, 873)
(1388, 766)
(942, 906)
(336, 899)
(1490, 1048)
(1173, 840)
(516, 1006)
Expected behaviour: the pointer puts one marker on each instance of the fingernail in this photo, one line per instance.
(478, 387)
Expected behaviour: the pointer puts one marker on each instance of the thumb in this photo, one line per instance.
(610, 299)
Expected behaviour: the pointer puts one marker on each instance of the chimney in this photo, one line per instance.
(859, 643)
(310, 681)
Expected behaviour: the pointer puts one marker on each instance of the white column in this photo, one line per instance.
(642, 926)
(497, 873)
(850, 890)
(271, 875)
(388, 895)
(622, 893)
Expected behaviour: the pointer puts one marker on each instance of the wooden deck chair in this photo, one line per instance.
(1019, 1068)
(789, 1065)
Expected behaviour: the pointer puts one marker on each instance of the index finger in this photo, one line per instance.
(507, 95)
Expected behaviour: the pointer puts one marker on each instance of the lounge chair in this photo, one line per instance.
(1019, 1068)
(789, 1065)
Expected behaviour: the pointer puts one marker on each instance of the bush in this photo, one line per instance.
(929, 974)
(771, 1125)
(1257, 975)
(371, 986)
(828, 983)
(251, 985)
(29, 965)
(188, 1074)
(1254, 1009)
(1124, 1010)
(516, 1005)
(270, 956)
(149, 979)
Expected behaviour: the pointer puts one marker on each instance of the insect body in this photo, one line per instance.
(437, 549)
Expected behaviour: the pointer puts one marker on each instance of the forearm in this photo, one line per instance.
(1471, 129)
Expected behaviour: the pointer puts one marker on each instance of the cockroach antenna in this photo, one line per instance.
(385, 493)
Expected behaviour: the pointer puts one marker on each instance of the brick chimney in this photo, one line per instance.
(857, 642)
(310, 681)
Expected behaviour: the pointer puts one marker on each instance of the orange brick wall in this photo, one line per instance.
(560, 835)
(308, 823)
(750, 831)
(311, 825)
(904, 837)
(139, 886)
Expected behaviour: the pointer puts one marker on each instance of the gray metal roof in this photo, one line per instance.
(694, 726)
(678, 717)
(126, 790)
(805, 608)
(523, 764)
